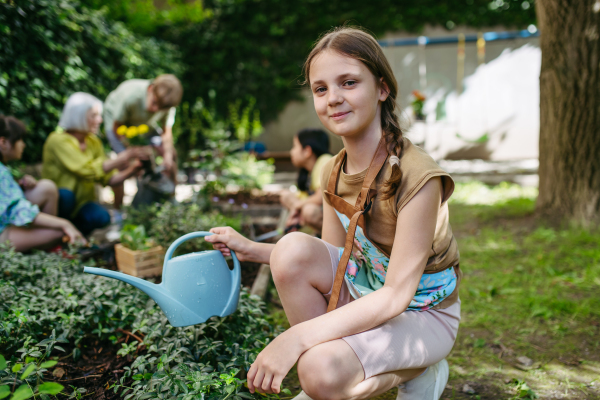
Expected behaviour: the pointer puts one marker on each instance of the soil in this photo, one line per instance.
(96, 370)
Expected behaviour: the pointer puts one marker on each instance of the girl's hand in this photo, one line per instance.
(273, 363)
(27, 182)
(226, 239)
(73, 233)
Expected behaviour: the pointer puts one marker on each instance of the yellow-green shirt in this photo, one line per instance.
(70, 168)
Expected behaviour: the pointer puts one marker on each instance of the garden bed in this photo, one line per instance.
(112, 333)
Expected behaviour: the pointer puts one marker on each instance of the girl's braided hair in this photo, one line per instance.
(360, 45)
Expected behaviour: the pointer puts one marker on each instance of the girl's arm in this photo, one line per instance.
(415, 230)
(226, 238)
(333, 230)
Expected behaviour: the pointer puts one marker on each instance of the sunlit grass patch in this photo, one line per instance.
(528, 291)
(478, 193)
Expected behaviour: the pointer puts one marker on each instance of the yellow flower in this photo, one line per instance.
(122, 130)
(132, 131)
(143, 128)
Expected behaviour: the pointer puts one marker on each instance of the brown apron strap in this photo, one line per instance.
(377, 162)
(341, 268)
(335, 173)
(363, 204)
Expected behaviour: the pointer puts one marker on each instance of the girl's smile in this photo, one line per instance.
(347, 96)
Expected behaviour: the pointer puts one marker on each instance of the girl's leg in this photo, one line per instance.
(24, 239)
(301, 268)
(333, 371)
(45, 195)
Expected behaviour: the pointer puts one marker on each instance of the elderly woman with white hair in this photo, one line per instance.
(74, 159)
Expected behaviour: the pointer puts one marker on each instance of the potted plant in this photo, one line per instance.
(138, 254)
(417, 105)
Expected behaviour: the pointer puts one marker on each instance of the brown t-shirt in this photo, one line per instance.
(380, 221)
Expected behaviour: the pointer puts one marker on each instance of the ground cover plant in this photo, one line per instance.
(168, 222)
(51, 311)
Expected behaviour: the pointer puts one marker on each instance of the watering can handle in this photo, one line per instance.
(192, 235)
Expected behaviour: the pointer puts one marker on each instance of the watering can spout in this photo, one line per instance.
(171, 307)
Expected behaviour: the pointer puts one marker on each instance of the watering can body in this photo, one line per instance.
(194, 286)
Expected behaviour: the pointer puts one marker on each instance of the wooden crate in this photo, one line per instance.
(140, 263)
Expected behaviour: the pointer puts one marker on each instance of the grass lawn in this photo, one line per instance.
(530, 302)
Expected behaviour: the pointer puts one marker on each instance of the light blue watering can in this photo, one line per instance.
(194, 286)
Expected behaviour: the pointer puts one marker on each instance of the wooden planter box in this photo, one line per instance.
(140, 263)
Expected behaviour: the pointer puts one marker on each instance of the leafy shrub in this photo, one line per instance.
(220, 156)
(168, 222)
(134, 237)
(51, 49)
(45, 296)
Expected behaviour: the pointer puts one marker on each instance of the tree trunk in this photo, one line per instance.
(570, 109)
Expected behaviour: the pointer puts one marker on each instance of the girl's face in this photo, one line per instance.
(94, 118)
(347, 96)
(299, 154)
(11, 152)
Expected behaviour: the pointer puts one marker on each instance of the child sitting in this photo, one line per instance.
(309, 153)
(21, 221)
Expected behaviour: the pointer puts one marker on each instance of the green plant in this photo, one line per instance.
(226, 167)
(417, 104)
(69, 48)
(26, 375)
(523, 390)
(172, 222)
(46, 300)
(135, 238)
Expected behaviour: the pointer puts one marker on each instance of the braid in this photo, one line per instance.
(394, 143)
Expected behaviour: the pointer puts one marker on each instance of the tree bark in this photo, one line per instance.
(570, 109)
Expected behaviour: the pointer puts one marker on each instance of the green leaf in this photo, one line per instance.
(17, 367)
(2, 362)
(286, 391)
(23, 392)
(51, 388)
(48, 364)
(138, 377)
(28, 371)
(4, 391)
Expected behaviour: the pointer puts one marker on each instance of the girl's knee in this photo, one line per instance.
(48, 188)
(318, 374)
(290, 255)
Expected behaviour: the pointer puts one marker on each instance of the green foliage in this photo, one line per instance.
(28, 370)
(226, 167)
(167, 223)
(256, 48)
(134, 237)
(46, 300)
(523, 390)
(51, 49)
(143, 16)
